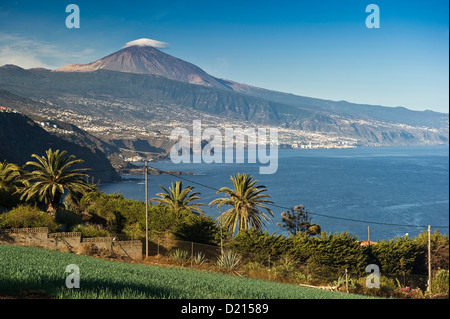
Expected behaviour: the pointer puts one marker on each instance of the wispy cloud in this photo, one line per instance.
(147, 43)
(28, 53)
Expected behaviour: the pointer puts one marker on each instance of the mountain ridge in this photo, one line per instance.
(139, 98)
(150, 60)
(35, 140)
(395, 114)
(139, 84)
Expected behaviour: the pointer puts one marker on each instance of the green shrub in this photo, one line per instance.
(91, 230)
(199, 258)
(388, 287)
(342, 282)
(254, 266)
(179, 254)
(258, 246)
(113, 211)
(440, 282)
(331, 254)
(134, 231)
(284, 267)
(25, 216)
(439, 248)
(197, 228)
(401, 255)
(229, 260)
(302, 247)
(299, 276)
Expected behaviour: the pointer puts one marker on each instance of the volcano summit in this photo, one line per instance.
(142, 57)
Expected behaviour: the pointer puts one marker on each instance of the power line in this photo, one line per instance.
(365, 221)
(315, 214)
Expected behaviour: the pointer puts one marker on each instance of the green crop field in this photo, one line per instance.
(39, 269)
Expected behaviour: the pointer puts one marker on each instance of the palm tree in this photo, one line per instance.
(52, 177)
(246, 200)
(178, 198)
(9, 174)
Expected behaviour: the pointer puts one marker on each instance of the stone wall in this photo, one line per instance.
(33, 237)
(129, 248)
(69, 242)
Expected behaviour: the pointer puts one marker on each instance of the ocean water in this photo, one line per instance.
(361, 187)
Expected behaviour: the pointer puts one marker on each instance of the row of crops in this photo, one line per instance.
(39, 269)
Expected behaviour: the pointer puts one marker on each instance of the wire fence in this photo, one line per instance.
(283, 268)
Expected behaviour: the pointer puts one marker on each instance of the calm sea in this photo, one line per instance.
(396, 185)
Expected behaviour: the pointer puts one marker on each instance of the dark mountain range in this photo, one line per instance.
(149, 60)
(21, 137)
(140, 84)
(153, 96)
(77, 135)
(150, 90)
(356, 111)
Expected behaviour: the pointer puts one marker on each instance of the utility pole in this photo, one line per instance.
(429, 259)
(146, 209)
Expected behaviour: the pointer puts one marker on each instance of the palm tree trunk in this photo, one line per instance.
(53, 205)
(51, 209)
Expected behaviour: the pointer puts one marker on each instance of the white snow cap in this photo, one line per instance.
(147, 43)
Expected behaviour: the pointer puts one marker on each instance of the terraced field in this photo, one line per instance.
(38, 269)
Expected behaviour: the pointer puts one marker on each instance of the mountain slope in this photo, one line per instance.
(148, 60)
(138, 99)
(357, 111)
(150, 90)
(21, 137)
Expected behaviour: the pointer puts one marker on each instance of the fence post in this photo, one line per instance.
(307, 273)
(346, 280)
(192, 254)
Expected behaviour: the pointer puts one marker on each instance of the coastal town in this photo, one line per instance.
(161, 128)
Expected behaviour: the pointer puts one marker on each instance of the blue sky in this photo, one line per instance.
(312, 48)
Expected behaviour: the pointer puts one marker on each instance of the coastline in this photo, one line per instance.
(151, 171)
